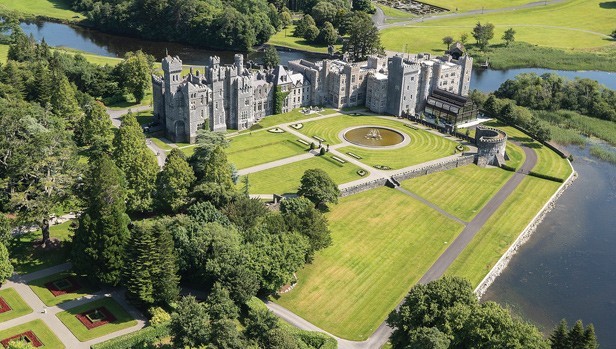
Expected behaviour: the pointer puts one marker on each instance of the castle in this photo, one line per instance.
(234, 97)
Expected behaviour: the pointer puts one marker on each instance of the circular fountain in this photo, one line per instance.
(374, 136)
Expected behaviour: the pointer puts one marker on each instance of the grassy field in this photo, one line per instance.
(285, 179)
(58, 9)
(284, 118)
(393, 13)
(502, 229)
(557, 25)
(123, 319)
(27, 257)
(383, 242)
(44, 334)
(516, 155)
(468, 5)
(463, 191)
(38, 287)
(17, 304)
(249, 150)
(285, 38)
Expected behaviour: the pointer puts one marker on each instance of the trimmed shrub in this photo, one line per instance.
(543, 176)
(322, 151)
(144, 336)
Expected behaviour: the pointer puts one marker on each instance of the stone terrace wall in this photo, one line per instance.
(438, 167)
(363, 187)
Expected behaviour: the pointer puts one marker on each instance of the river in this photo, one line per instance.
(568, 267)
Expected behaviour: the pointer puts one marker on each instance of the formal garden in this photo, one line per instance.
(12, 305)
(36, 333)
(58, 288)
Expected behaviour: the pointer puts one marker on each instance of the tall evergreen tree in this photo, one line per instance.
(558, 338)
(139, 265)
(96, 129)
(576, 336)
(165, 275)
(217, 168)
(63, 101)
(6, 268)
(102, 233)
(137, 162)
(174, 182)
(590, 338)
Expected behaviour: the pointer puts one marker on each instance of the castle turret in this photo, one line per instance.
(239, 63)
(172, 70)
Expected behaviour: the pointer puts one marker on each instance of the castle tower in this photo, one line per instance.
(172, 70)
(239, 63)
(467, 67)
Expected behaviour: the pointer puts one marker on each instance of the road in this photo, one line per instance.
(381, 335)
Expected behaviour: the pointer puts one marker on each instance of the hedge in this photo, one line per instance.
(146, 335)
(508, 168)
(550, 178)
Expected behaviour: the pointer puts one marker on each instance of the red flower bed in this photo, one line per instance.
(4, 307)
(63, 286)
(87, 317)
(28, 336)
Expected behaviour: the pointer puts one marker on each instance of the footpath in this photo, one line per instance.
(48, 314)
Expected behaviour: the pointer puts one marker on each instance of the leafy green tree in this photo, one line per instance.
(102, 233)
(246, 186)
(134, 73)
(41, 87)
(448, 40)
(328, 34)
(225, 334)
(318, 187)
(509, 36)
(259, 323)
(63, 101)
(137, 162)
(324, 11)
(6, 268)
(271, 58)
(205, 212)
(211, 165)
(312, 33)
(364, 39)
(463, 38)
(483, 34)
(300, 215)
(576, 336)
(220, 304)
(245, 212)
(174, 182)
(590, 338)
(428, 338)
(18, 344)
(278, 338)
(363, 5)
(97, 127)
(558, 338)
(303, 25)
(285, 17)
(190, 325)
(5, 230)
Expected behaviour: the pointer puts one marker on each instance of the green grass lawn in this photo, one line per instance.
(501, 230)
(468, 5)
(261, 147)
(285, 179)
(383, 242)
(59, 9)
(27, 256)
(394, 13)
(38, 287)
(17, 304)
(285, 38)
(161, 144)
(516, 155)
(558, 25)
(123, 319)
(463, 191)
(293, 115)
(44, 334)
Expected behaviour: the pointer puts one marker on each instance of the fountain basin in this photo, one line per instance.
(374, 136)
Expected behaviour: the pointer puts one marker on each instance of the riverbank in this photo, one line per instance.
(502, 263)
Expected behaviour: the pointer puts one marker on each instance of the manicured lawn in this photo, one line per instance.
(60, 9)
(253, 149)
(394, 13)
(285, 38)
(17, 304)
(26, 256)
(285, 179)
(293, 115)
(558, 25)
(516, 155)
(501, 230)
(39, 288)
(383, 242)
(42, 332)
(468, 5)
(463, 191)
(123, 319)
(161, 144)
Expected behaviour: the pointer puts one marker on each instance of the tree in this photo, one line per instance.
(139, 266)
(324, 11)
(19, 344)
(558, 338)
(102, 232)
(285, 17)
(463, 38)
(363, 5)
(259, 323)
(190, 325)
(328, 34)
(300, 215)
(6, 268)
(509, 36)
(318, 187)
(5, 230)
(575, 337)
(220, 304)
(271, 58)
(97, 127)
(303, 25)
(211, 165)
(134, 73)
(63, 101)
(428, 338)
(448, 40)
(312, 33)
(590, 338)
(245, 212)
(364, 37)
(165, 275)
(137, 162)
(173, 183)
(483, 34)
(246, 186)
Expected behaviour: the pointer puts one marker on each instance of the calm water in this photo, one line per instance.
(93, 41)
(568, 267)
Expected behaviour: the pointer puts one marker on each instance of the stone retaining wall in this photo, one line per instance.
(363, 187)
(502, 263)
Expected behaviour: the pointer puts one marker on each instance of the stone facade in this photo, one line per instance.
(491, 144)
(235, 97)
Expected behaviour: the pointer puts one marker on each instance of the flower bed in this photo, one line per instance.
(95, 317)
(382, 167)
(4, 306)
(28, 337)
(361, 172)
(459, 147)
(297, 126)
(275, 130)
(63, 286)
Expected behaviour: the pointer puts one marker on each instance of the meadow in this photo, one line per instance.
(463, 191)
(383, 242)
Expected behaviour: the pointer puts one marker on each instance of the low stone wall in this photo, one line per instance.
(438, 167)
(363, 187)
(502, 263)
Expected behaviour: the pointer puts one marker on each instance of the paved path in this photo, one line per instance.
(381, 335)
(430, 204)
(19, 284)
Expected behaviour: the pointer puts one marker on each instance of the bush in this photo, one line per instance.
(312, 146)
(159, 316)
(508, 168)
(142, 337)
(322, 151)
(550, 178)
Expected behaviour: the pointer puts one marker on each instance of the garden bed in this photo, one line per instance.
(4, 306)
(95, 317)
(28, 337)
(63, 286)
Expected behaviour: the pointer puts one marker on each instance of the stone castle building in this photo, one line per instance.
(234, 97)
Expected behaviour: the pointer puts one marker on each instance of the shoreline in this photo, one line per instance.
(503, 262)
